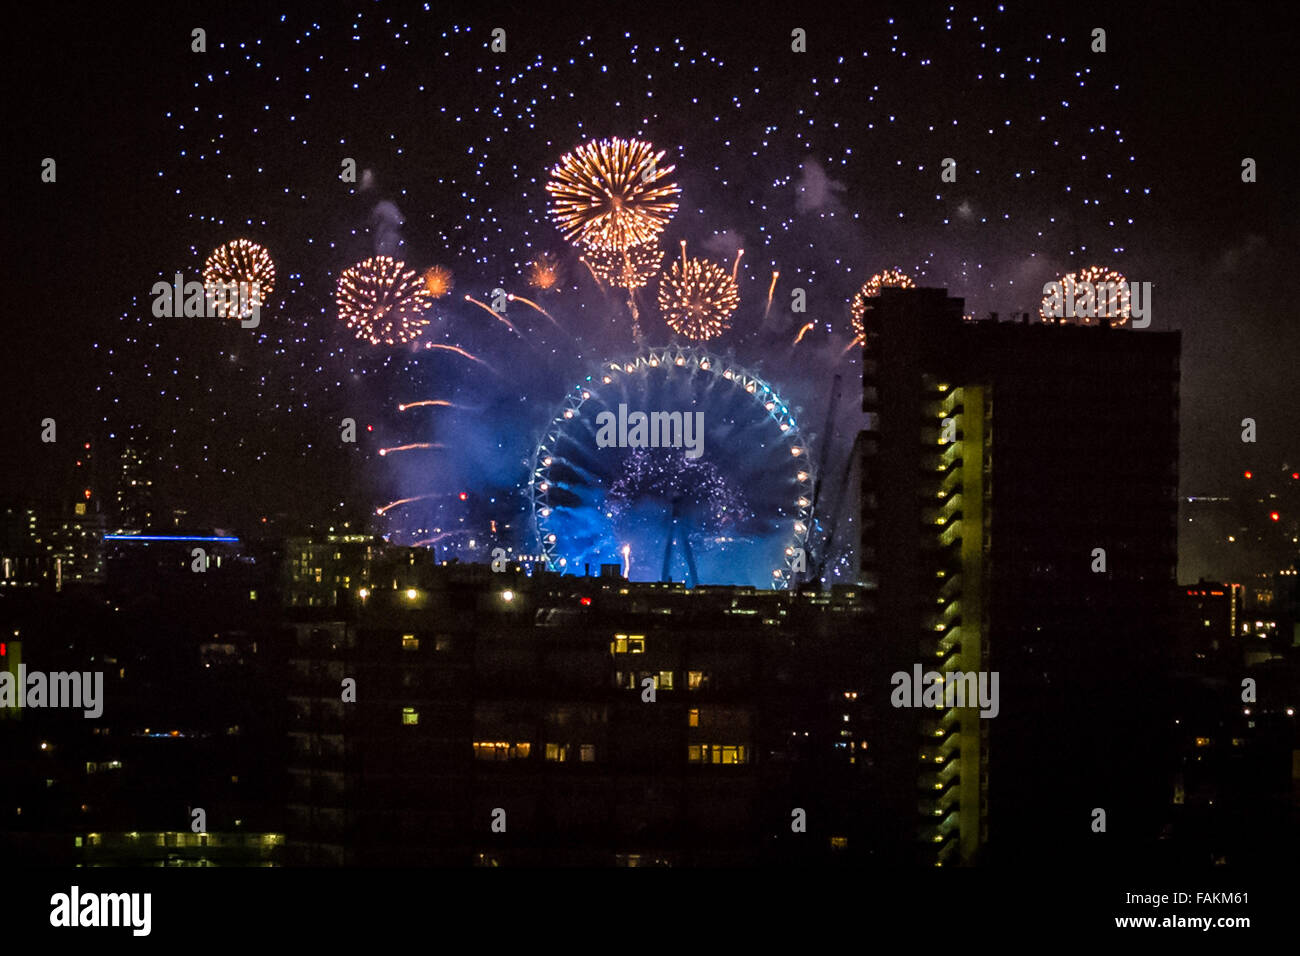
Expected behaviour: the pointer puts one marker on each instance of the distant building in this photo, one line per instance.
(133, 478)
(1209, 636)
(322, 572)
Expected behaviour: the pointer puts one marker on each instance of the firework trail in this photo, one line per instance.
(410, 447)
(510, 297)
(428, 401)
(460, 351)
(802, 332)
(595, 278)
(439, 537)
(402, 501)
(770, 290)
(736, 265)
(495, 314)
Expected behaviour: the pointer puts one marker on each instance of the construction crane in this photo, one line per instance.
(828, 432)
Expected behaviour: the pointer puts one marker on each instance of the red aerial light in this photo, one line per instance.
(4, 649)
(1250, 474)
(87, 446)
(585, 602)
(370, 428)
(1275, 516)
(1295, 476)
(463, 496)
(87, 494)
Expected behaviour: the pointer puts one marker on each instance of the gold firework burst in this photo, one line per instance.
(239, 262)
(612, 193)
(438, 281)
(382, 301)
(629, 268)
(544, 272)
(890, 278)
(697, 298)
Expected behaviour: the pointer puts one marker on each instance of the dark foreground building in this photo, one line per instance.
(502, 719)
(1019, 517)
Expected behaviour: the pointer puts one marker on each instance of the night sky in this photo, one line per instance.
(824, 166)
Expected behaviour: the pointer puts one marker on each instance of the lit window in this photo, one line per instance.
(666, 680)
(587, 753)
(839, 842)
(1202, 741)
(501, 750)
(557, 753)
(636, 644)
(694, 717)
(410, 642)
(410, 716)
(696, 680)
(619, 644)
(717, 753)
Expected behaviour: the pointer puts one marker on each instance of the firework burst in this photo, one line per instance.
(1094, 293)
(544, 272)
(890, 278)
(438, 281)
(612, 194)
(697, 298)
(382, 301)
(629, 268)
(239, 262)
